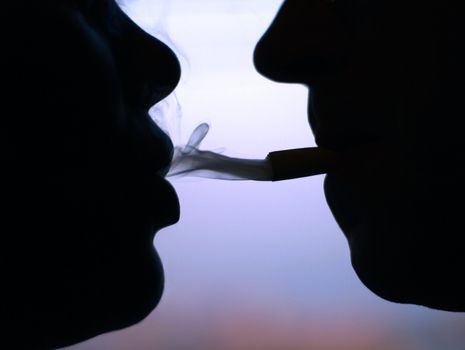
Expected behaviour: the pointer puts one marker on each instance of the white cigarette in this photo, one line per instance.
(301, 162)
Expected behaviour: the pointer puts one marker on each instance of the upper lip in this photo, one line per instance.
(151, 149)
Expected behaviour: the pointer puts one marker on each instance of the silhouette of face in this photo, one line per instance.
(370, 73)
(90, 75)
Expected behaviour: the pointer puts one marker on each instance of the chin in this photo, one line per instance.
(394, 243)
(111, 295)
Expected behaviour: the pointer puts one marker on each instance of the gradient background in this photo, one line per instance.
(255, 265)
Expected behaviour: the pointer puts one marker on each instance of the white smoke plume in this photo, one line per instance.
(192, 161)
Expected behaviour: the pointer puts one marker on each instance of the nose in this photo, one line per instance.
(304, 42)
(149, 68)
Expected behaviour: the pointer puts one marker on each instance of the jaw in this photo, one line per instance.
(404, 247)
(108, 298)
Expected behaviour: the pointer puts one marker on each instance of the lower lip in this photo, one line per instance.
(370, 183)
(152, 203)
(342, 200)
(164, 206)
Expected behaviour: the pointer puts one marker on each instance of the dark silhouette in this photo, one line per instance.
(82, 188)
(386, 92)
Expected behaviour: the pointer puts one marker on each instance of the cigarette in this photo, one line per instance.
(301, 162)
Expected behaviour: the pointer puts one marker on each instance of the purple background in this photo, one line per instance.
(255, 265)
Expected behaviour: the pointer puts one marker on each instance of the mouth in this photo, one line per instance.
(371, 165)
(164, 206)
(150, 155)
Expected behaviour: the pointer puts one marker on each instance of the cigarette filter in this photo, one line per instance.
(301, 162)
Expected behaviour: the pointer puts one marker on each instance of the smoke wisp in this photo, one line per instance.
(190, 160)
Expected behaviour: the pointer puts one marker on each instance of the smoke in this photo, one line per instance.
(189, 160)
(167, 114)
(278, 165)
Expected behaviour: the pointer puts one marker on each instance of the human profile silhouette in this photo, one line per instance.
(83, 165)
(386, 92)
